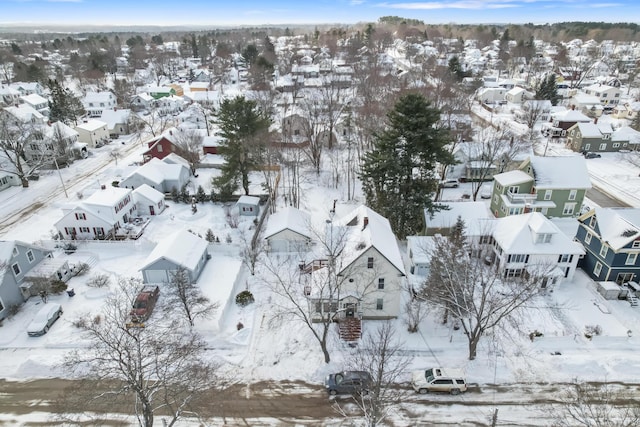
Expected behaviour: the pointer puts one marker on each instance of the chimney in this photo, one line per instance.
(365, 222)
(573, 107)
(595, 120)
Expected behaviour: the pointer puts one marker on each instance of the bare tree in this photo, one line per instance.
(595, 405)
(16, 139)
(188, 144)
(476, 295)
(150, 124)
(188, 297)
(156, 368)
(251, 248)
(380, 355)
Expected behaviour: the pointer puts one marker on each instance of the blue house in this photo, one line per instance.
(611, 238)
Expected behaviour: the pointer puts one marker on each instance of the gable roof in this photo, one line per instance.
(181, 248)
(472, 213)
(155, 170)
(149, 193)
(618, 226)
(374, 232)
(512, 177)
(290, 218)
(517, 234)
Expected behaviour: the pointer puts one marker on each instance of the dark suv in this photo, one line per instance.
(348, 382)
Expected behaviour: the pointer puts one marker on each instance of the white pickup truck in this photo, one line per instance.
(449, 380)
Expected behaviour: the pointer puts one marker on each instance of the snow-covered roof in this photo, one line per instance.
(618, 226)
(517, 234)
(249, 200)
(92, 125)
(34, 99)
(59, 128)
(108, 196)
(155, 170)
(420, 248)
(512, 178)
(290, 218)
(25, 113)
(626, 133)
(562, 172)
(99, 97)
(474, 215)
(182, 248)
(149, 193)
(570, 116)
(115, 117)
(589, 130)
(364, 228)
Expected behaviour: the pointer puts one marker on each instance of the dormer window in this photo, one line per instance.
(543, 237)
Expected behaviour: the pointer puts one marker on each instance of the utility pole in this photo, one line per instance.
(494, 419)
(55, 161)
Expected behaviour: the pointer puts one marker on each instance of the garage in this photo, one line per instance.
(155, 276)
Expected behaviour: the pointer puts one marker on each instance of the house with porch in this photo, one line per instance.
(358, 275)
(20, 259)
(96, 102)
(99, 216)
(561, 121)
(554, 186)
(611, 239)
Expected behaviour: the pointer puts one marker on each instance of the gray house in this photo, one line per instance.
(182, 249)
(18, 260)
(248, 205)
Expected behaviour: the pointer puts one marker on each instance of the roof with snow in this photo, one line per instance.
(618, 226)
(34, 99)
(149, 193)
(115, 117)
(155, 170)
(91, 125)
(364, 228)
(109, 196)
(626, 133)
(570, 116)
(473, 214)
(289, 218)
(182, 248)
(563, 172)
(518, 234)
(512, 178)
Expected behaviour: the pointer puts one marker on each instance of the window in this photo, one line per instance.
(159, 149)
(15, 251)
(572, 194)
(514, 189)
(370, 262)
(587, 147)
(85, 230)
(1, 306)
(30, 256)
(518, 258)
(568, 208)
(547, 194)
(381, 283)
(515, 211)
(16, 269)
(587, 238)
(631, 259)
(495, 199)
(592, 222)
(597, 269)
(543, 237)
(513, 272)
(603, 147)
(616, 145)
(603, 250)
(81, 216)
(544, 211)
(565, 258)
(379, 304)
(636, 244)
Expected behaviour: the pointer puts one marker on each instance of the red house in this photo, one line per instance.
(161, 146)
(210, 144)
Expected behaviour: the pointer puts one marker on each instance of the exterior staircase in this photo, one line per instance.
(350, 328)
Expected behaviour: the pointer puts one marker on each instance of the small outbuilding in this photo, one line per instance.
(288, 231)
(248, 205)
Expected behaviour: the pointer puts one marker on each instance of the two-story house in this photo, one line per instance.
(608, 95)
(363, 276)
(593, 136)
(531, 244)
(554, 186)
(96, 102)
(99, 216)
(611, 239)
(37, 102)
(563, 120)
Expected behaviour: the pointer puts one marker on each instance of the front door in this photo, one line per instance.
(350, 309)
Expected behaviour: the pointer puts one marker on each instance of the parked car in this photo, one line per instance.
(46, 316)
(144, 304)
(449, 183)
(486, 191)
(446, 380)
(591, 155)
(348, 382)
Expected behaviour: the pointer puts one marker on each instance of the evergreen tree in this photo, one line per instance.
(201, 195)
(243, 130)
(398, 175)
(64, 106)
(548, 89)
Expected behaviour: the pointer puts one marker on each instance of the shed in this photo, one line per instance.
(248, 205)
(182, 249)
(149, 201)
(609, 290)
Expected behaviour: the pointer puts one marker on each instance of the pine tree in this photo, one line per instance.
(398, 175)
(548, 89)
(210, 237)
(201, 195)
(64, 106)
(243, 129)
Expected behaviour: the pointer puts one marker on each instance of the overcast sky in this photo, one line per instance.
(255, 12)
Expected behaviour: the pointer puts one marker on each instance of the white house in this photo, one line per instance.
(96, 102)
(149, 201)
(530, 244)
(117, 121)
(288, 231)
(369, 267)
(158, 175)
(142, 101)
(93, 133)
(419, 253)
(99, 216)
(38, 103)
